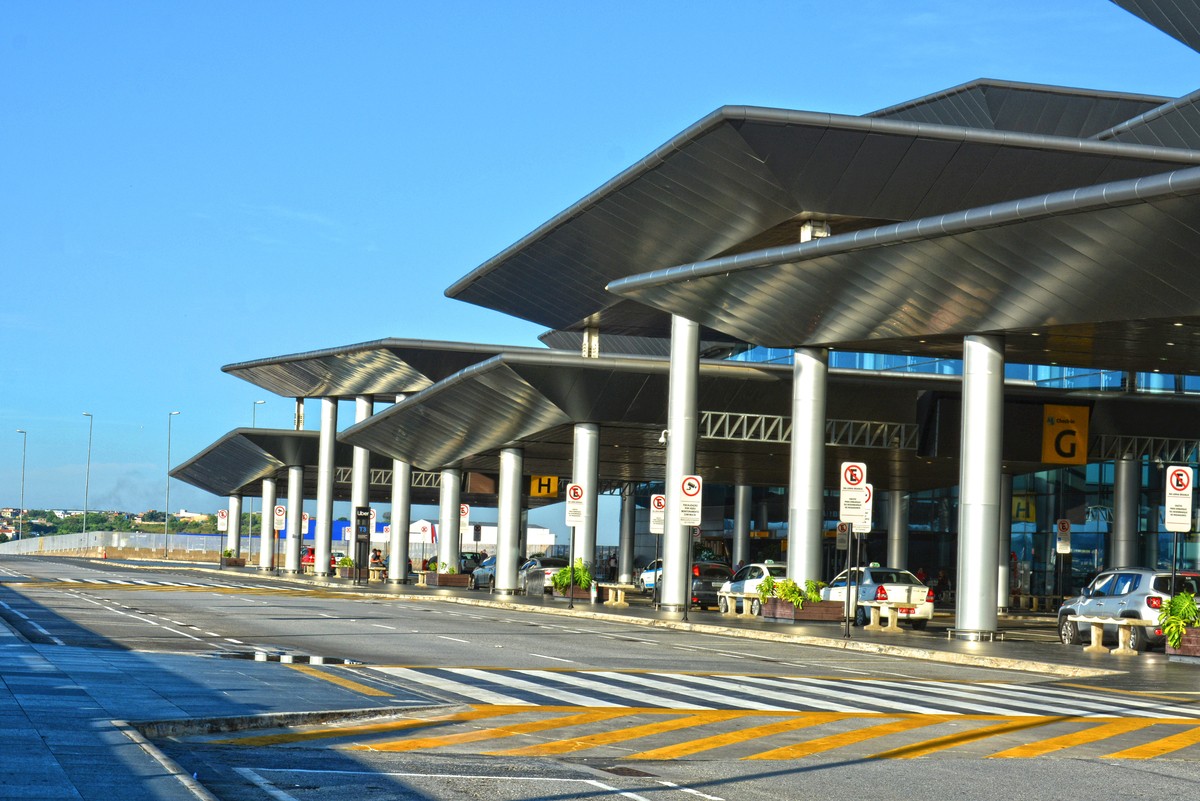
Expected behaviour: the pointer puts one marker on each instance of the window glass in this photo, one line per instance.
(778, 571)
(1125, 583)
(743, 574)
(1102, 586)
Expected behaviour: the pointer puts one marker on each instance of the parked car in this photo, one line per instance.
(469, 560)
(309, 557)
(707, 579)
(546, 565)
(747, 580)
(484, 576)
(648, 578)
(1137, 592)
(890, 584)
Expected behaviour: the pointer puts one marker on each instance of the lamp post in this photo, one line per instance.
(167, 504)
(87, 478)
(250, 515)
(21, 511)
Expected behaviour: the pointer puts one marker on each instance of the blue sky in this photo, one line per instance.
(185, 185)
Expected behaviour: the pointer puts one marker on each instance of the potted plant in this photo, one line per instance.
(580, 575)
(446, 576)
(229, 560)
(786, 601)
(1179, 619)
(344, 567)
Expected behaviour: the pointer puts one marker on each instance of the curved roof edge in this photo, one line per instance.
(984, 83)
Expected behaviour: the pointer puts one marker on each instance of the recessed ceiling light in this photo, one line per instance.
(1035, 334)
(1170, 343)
(1178, 325)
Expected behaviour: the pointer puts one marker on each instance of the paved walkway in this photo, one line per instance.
(63, 707)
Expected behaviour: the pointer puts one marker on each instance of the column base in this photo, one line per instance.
(290, 572)
(670, 607)
(973, 635)
(398, 580)
(497, 591)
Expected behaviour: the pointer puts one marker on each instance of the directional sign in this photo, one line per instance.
(280, 520)
(574, 504)
(1062, 543)
(1178, 499)
(658, 513)
(543, 486)
(464, 515)
(222, 520)
(689, 500)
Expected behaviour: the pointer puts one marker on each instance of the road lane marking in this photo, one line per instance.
(416, 744)
(341, 681)
(453, 639)
(834, 741)
(1091, 734)
(961, 738)
(555, 658)
(1161, 746)
(679, 720)
(455, 688)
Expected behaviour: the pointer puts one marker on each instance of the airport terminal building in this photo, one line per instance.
(987, 296)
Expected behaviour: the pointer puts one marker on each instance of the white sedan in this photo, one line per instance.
(899, 588)
(747, 580)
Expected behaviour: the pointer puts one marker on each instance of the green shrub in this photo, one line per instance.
(227, 553)
(562, 579)
(345, 561)
(790, 591)
(1179, 614)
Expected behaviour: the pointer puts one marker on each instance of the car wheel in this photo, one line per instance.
(755, 607)
(861, 616)
(1068, 632)
(641, 587)
(919, 625)
(723, 605)
(1137, 638)
(471, 582)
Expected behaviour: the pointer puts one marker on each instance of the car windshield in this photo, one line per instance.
(893, 577)
(777, 571)
(553, 562)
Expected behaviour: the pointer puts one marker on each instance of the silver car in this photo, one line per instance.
(484, 576)
(1137, 592)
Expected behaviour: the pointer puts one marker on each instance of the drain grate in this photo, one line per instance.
(287, 659)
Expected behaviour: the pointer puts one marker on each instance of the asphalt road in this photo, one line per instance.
(523, 705)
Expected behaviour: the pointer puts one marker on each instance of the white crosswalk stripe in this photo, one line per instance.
(599, 688)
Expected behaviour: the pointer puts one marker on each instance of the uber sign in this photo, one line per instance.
(1064, 434)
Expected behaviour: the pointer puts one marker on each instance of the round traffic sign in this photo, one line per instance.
(575, 492)
(659, 502)
(1179, 478)
(1064, 526)
(691, 486)
(853, 475)
(222, 514)
(280, 511)
(464, 510)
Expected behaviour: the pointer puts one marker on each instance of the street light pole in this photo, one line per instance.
(167, 505)
(21, 511)
(87, 479)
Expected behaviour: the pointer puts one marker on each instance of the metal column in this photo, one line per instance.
(585, 471)
(449, 536)
(401, 512)
(360, 475)
(625, 544)
(806, 482)
(233, 534)
(979, 485)
(295, 524)
(266, 538)
(742, 499)
(897, 543)
(1126, 497)
(1004, 550)
(681, 461)
(508, 521)
(325, 468)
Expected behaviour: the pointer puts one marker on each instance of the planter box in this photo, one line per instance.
(447, 579)
(778, 611)
(578, 593)
(233, 561)
(1189, 647)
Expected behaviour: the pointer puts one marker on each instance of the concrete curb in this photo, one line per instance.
(188, 727)
(169, 765)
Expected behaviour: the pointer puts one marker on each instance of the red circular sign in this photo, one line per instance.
(659, 502)
(463, 510)
(691, 486)
(575, 492)
(1180, 478)
(222, 513)
(280, 511)
(854, 475)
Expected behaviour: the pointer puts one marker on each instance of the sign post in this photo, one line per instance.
(1177, 498)
(658, 523)
(854, 498)
(574, 518)
(1062, 547)
(362, 540)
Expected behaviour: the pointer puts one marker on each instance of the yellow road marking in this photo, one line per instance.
(590, 716)
(961, 738)
(620, 735)
(835, 741)
(1088, 735)
(328, 733)
(1163, 745)
(799, 721)
(1135, 693)
(349, 684)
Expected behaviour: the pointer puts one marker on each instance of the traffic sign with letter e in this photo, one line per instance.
(1177, 499)
(574, 504)
(464, 515)
(658, 513)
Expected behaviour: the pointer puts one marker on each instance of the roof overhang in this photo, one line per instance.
(1099, 277)
(744, 178)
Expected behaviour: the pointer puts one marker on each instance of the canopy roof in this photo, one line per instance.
(743, 179)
